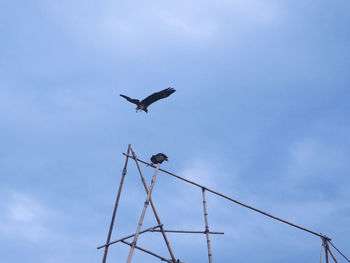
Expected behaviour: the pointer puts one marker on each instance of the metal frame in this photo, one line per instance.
(159, 227)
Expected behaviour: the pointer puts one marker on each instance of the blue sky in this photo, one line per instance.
(261, 114)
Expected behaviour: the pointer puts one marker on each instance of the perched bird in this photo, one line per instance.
(143, 104)
(159, 158)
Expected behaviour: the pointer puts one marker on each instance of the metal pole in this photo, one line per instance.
(321, 253)
(188, 232)
(348, 260)
(325, 245)
(133, 244)
(326, 253)
(330, 252)
(115, 207)
(151, 229)
(153, 208)
(235, 201)
(206, 226)
(147, 251)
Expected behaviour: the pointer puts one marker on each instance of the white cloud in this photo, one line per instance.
(16, 107)
(265, 12)
(24, 209)
(136, 24)
(310, 158)
(201, 171)
(70, 108)
(24, 217)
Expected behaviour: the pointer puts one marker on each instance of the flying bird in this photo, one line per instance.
(143, 104)
(159, 158)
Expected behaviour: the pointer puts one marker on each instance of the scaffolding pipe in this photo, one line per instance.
(151, 229)
(206, 226)
(148, 252)
(330, 252)
(339, 251)
(235, 201)
(153, 208)
(189, 232)
(115, 207)
(133, 244)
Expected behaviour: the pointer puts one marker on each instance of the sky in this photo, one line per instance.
(260, 113)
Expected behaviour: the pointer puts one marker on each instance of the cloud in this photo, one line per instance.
(43, 110)
(310, 156)
(69, 135)
(22, 208)
(313, 166)
(115, 25)
(201, 171)
(260, 12)
(24, 217)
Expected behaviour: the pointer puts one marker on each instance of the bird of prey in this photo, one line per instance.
(159, 158)
(143, 104)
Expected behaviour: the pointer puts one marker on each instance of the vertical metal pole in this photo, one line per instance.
(154, 209)
(321, 253)
(206, 225)
(325, 245)
(116, 207)
(143, 214)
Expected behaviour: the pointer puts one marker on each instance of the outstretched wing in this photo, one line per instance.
(135, 101)
(157, 96)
